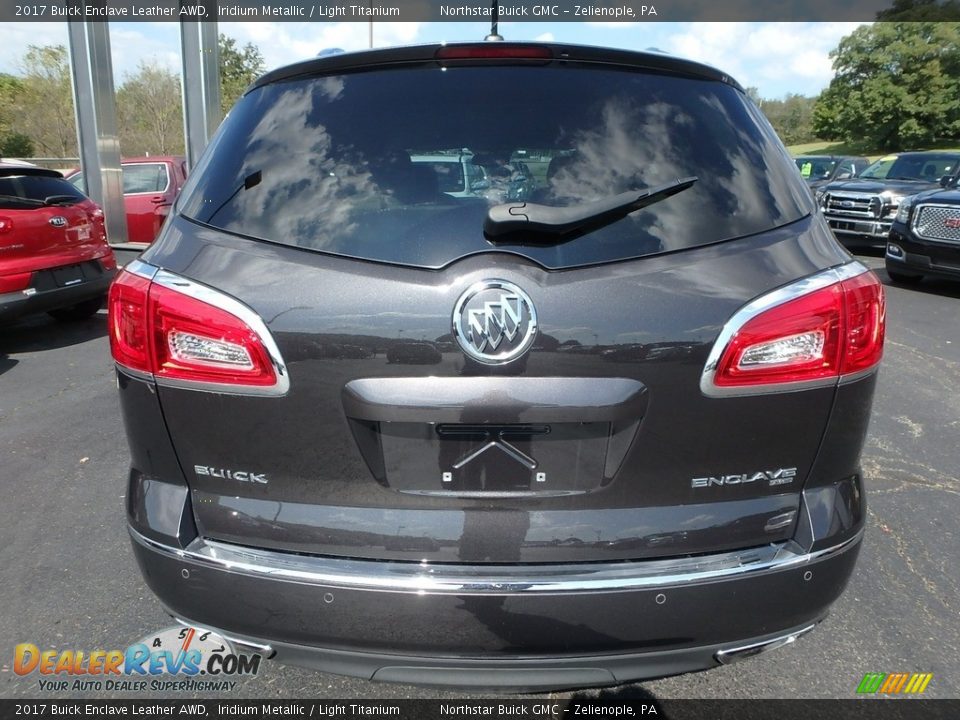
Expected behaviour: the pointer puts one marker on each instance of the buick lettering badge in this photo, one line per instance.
(494, 322)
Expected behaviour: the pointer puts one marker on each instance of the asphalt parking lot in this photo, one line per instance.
(68, 578)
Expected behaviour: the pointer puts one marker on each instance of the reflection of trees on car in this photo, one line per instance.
(413, 353)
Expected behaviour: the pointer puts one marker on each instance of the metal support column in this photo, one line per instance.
(201, 85)
(96, 113)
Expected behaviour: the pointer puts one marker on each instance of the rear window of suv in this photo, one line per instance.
(19, 192)
(325, 162)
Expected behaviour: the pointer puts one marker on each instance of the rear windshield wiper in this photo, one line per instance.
(60, 200)
(16, 199)
(528, 217)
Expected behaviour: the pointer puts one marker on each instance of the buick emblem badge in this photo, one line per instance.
(494, 322)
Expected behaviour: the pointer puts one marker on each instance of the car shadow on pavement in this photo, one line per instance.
(6, 362)
(929, 286)
(632, 691)
(41, 332)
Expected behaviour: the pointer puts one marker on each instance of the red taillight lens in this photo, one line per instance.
(127, 320)
(494, 51)
(157, 329)
(798, 340)
(830, 331)
(866, 322)
(14, 282)
(197, 341)
(6, 225)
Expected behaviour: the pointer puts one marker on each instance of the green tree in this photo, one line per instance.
(239, 66)
(16, 145)
(11, 91)
(150, 112)
(921, 10)
(896, 86)
(45, 112)
(791, 117)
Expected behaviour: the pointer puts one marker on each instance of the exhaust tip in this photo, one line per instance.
(735, 654)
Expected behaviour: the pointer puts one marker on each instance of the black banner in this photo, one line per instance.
(601, 705)
(605, 11)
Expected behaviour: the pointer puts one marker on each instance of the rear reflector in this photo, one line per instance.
(809, 334)
(187, 335)
(494, 51)
(14, 282)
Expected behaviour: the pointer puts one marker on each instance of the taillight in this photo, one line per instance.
(14, 282)
(494, 51)
(808, 334)
(189, 335)
(127, 320)
(6, 225)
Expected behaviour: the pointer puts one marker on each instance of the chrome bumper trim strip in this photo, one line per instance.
(425, 578)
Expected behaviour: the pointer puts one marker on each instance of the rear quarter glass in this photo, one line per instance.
(324, 162)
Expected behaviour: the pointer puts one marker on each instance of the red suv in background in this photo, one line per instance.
(150, 186)
(54, 255)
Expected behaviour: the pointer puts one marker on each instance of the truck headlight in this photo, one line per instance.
(903, 211)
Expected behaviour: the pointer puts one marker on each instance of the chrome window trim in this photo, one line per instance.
(426, 578)
(759, 305)
(228, 304)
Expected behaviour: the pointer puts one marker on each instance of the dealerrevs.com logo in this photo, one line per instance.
(178, 658)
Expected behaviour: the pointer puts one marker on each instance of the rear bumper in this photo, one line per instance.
(521, 627)
(37, 300)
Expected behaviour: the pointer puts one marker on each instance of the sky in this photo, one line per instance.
(777, 58)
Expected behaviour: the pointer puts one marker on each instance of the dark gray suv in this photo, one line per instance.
(628, 442)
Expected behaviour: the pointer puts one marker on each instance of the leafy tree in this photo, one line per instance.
(45, 112)
(150, 112)
(791, 117)
(16, 145)
(921, 10)
(11, 91)
(896, 86)
(239, 66)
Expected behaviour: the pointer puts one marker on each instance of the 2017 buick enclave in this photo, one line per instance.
(635, 451)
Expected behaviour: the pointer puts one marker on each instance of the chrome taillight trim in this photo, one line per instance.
(760, 305)
(230, 305)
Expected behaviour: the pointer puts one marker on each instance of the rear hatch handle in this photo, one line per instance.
(503, 399)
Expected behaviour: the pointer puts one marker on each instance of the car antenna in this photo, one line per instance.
(494, 36)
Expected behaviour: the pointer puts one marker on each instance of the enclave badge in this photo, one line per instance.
(494, 322)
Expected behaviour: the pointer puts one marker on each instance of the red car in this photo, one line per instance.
(150, 186)
(54, 255)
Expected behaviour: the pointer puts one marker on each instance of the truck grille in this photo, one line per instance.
(938, 222)
(853, 205)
